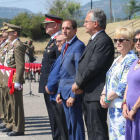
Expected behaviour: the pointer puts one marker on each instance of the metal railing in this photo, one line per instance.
(134, 24)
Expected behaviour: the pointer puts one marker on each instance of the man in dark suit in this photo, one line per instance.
(52, 27)
(70, 55)
(92, 67)
(51, 89)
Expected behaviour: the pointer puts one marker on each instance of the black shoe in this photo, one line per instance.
(26, 78)
(2, 126)
(15, 133)
(6, 130)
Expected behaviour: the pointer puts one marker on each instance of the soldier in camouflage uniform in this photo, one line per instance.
(15, 58)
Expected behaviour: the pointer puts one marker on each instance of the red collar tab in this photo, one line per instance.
(55, 37)
(56, 20)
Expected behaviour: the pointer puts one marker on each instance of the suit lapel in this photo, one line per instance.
(68, 50)
(54, 63)
(50, 42)
(91, 44)
(10, 47)
(88, 46)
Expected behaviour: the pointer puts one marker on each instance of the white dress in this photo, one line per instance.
(116, 79)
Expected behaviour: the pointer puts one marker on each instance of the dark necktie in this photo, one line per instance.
(65, 49)
(89, 41)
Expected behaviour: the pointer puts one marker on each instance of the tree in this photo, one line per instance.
(64, 8)
(31, 25)
(131, 7)
(3, 20)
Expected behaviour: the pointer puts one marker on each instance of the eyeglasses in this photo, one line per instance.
(120, 40)
(136, 40)
(58, 41)
(88, 21)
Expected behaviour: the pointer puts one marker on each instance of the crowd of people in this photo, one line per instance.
(77, 80)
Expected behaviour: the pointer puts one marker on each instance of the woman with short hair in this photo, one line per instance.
(116, 78)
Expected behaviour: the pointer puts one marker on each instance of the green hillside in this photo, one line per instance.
(117, 8)
(10, 12)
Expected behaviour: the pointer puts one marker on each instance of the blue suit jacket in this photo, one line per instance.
(53, 78)
(68, 68)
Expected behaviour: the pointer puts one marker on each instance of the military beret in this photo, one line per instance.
(52, 18)
(12, 27)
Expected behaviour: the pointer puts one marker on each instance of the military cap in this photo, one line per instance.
(0, 33)
(12, 27)
(52, 18)
(5, 27)
(4, 24)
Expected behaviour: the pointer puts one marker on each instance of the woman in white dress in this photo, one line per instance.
(116, 78)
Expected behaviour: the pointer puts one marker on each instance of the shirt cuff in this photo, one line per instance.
(18, 86)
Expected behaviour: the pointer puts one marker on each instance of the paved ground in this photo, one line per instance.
(37, 126)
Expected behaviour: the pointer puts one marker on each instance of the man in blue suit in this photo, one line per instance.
(51, 88)
(70, 55)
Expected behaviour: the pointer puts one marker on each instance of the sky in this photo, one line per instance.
(34, 6)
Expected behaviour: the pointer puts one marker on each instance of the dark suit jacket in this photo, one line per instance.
(93, 65)
(68, 69)
(50, 55)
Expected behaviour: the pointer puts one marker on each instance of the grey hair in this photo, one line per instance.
(99, 16)
(60, 33)
(137, 32)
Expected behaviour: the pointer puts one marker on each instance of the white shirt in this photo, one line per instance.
(52, 37)
(71, 40)
(4, 42)
(96, 34)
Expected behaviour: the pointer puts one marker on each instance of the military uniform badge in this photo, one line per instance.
(8, 61)
(2, 57)
(10, 57)
(51, 45)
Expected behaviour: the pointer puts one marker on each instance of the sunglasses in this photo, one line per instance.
(136, 40)
(120, 40)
